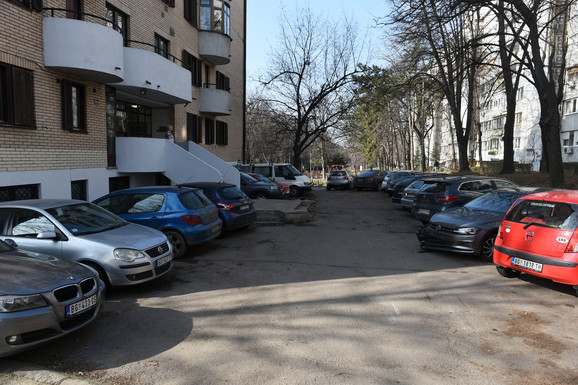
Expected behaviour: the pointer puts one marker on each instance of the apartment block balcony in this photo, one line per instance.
(151, 77)
(214, 102)
(84, 49)
(215, 47)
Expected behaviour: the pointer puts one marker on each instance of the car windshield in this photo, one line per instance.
(248, 178)
(194, 200)
(368, 173)
(232, 192)
(262, 178)
(293, 170)
(434, 187)
(495, 202)
(85, 218)
(416, 184)
(556, 215)
(337, 173)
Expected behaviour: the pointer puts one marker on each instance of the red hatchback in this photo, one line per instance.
(538, 236)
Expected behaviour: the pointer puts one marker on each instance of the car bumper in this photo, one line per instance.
(433, 239)
(232, 221)
(37, 326)
(143, 270)
(195, 235)
(563, 270)
(406, 203)
(422, 214)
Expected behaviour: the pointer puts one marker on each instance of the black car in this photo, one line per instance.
(369, 180)
(470, 229)
(256, 189)
(399, 187)
(393, 177)
(443, 193)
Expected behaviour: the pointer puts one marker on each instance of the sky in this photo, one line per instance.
(263, 25)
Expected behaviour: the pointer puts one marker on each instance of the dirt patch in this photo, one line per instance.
(527, 326)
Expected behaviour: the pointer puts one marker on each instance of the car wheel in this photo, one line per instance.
(294, 191)
(178, 243)
(261, 195)
(101, 273)
(487, 247)
(508, 273)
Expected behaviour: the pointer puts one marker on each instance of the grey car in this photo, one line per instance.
(43, 298)
(122, 253)
(339, 179)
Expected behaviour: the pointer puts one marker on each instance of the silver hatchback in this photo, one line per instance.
(122, 253)
(339, 179)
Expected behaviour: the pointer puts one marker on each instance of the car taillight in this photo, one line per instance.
(225, 206)
(500, 234)
(345, 177)
(371, 179)
(573, 244)
(447, 198)
(328, 178)
(192, 219)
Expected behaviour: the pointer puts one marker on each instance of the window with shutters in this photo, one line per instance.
(222, 82)
(194, 128)
(16, 96)
(161, 46)
(222, 133)
(194, 65)
(170, 3)
(209, 131)
(73, 106)
(190, 12)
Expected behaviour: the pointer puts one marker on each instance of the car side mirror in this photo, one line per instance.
(11, 243)
(46, 235)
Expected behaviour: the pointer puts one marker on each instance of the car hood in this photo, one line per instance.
(131, 235)
(25, 272)
(464, 217)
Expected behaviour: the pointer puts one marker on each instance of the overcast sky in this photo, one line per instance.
(263, 19)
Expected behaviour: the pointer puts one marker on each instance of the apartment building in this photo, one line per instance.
(90, 89)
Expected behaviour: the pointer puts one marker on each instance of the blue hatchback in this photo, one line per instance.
(184, 214)
(236, 209)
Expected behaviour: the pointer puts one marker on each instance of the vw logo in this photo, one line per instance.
(530, 236)
(160, 249)
(71, 278)
(438, 227)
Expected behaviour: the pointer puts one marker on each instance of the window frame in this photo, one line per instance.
(190, 12)
(17, 107)
(222, 133)
(164, 52)
(209, 131)
(194, 128)
(73, 108)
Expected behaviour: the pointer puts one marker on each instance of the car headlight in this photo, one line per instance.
(127, 255)
(273, 188)
(466, 230)
(12, 303)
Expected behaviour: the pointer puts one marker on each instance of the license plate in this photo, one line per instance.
(162, 261)
(244, 208)
(215, 229)
(80, 306)
(423, 211)
(534, 266)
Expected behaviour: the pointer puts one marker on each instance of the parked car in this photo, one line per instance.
(400, 186)
(256, 189)
(470, 229)
(285, 190)
(236, 209)
(122, 253)
(43, 298)
(443, 193)
(280, 172)
(369, 180)
(339, 179)
(393, 177)
(184, 214)
(410, 193)
(538, 236)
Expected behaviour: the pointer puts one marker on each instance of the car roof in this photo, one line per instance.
(568, 196)
(42, 204)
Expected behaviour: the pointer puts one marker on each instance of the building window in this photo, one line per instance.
(222, 82)
(32, 4)
(518, 118)
(215, 16)
(569, 141)
(73, 9)
(516, 142)
(16, 96)
(73, 106)
(194, 65)
(194, 128)
(209, 131)
(78, 189)
(570, 106)
(161, 46)
(118, 183)
(190, 12)
(16, 193)
(520, 93)
(222, 133)
(170, 3)
(118, 21)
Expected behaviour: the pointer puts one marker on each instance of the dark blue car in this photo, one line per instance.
(236, 209)
(184, 214)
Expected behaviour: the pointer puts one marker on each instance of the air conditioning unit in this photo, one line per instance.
(568, 150)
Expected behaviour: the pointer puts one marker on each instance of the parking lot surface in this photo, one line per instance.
(347, 298)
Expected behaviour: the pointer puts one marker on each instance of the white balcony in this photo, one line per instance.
(151, 77)
(181, 163)
(215, 47)
(87, 50)
(214, 102)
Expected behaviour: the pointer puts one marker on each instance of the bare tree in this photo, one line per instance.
(308, 83)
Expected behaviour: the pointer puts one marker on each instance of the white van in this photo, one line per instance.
(281, 172)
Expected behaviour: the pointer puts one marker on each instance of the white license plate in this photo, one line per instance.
(423, 211)
(80, 306)
(163, 261)
(534, 266)
(215, 229)
(244, 208)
